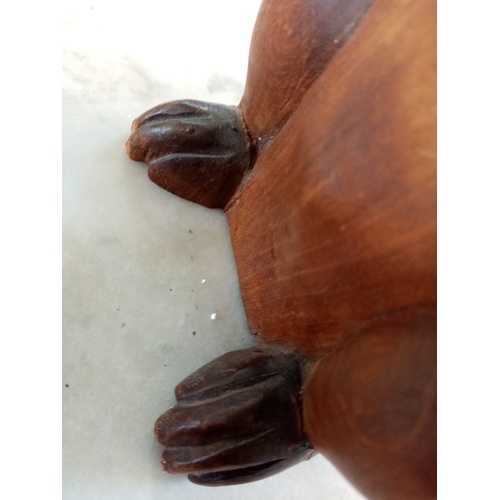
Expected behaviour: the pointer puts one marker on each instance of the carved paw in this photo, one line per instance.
(197, 150)
(238, 419)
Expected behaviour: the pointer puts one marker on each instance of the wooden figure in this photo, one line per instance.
(327, 173)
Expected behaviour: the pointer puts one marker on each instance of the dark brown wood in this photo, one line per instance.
(238, 418)
(334, 234)
(198, 150)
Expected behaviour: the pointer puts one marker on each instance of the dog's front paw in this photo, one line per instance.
(238, 419)
(197, 150)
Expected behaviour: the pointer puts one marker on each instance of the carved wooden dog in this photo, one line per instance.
(326, 171)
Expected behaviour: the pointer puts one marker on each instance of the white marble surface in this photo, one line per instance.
(144, 270)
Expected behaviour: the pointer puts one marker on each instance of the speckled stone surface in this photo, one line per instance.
(150, 291)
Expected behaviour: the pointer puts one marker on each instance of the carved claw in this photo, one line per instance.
(238, 419)
(197, 150)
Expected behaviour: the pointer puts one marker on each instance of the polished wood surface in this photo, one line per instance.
(292, 43)
(370, 407)
(334, 235)
(336, 226)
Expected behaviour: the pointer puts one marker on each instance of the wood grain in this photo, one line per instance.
(336, 225)
(292, 43)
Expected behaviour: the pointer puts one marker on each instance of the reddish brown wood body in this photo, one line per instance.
(292, 43)
(370, 407)
(336, 228)
(334, 234)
